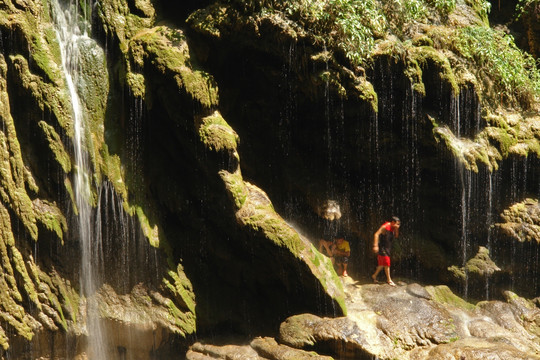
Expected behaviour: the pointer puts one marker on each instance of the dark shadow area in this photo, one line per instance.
(175, 13)
(302, 143)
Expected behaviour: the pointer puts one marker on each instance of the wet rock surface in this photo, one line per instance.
(522, 221)
(409, 321)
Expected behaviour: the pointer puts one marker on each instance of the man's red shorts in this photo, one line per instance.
(383, 260)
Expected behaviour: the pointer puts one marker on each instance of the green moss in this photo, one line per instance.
(333, 79)
(235, 187)
(520, 222)
(481, 8)
(414, 73)
(181, 288)
(184, 296)
(367, 93)
(6, 241)
(424, 56)
(468, 152)
(201, 86)
(168, 53)
(4, 340)
(57, 147)
(422, 40)
(217, 135)
(323, 269)
(69, 188)
(51, 217)
(149, 231)
(112, 167)
(209, 20)
(43, 56)
(259, 215)
(29, 287)
(46, 287)
(46, 95)
(46, 15)
(442, 294)
(69, 297)
(184, 321)
(12, 176)
(137, 84)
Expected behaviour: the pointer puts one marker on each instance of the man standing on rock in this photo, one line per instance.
(382, 246)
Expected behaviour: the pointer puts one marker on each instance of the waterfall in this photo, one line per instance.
(465, 184)
(489, 222)
(70, 36)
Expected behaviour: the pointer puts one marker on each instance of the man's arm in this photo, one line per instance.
(376, 238)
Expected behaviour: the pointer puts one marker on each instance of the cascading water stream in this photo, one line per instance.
(70, 36)
(465, 179)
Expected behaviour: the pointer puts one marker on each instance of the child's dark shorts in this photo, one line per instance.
(342, 259)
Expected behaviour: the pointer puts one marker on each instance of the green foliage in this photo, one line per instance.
(359, 22)
(353, 26)
(523, 5)
(443, 6)
(481, 7)
(496, 55)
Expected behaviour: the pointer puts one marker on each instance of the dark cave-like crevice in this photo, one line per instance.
(176, 13)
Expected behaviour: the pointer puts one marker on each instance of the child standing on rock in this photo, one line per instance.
(341, 252)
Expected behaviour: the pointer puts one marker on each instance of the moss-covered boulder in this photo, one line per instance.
(522, 221)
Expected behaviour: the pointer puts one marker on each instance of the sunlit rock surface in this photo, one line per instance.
(408, 321)
(522, 221)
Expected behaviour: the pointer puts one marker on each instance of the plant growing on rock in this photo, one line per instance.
(497, 57)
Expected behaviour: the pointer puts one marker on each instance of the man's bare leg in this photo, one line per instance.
(377, 271)
(388, 278)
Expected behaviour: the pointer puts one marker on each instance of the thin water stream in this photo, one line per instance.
(71, 33)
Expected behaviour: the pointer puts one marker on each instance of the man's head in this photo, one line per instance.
(395, 222)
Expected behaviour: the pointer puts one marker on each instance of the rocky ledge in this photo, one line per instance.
(433, 323)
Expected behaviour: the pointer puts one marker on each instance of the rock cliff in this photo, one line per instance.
(219, 132)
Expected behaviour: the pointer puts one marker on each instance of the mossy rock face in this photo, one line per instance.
(478, 267)
(51, 217)
(217, 135)
(159, 68)
(506, 135)
(168, 52)
(258, 216)
(227, 247)
(57, 146)
(444, 295)
(522, 221)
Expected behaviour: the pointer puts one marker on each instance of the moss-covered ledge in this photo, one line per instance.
(256, 213)
(506, 134)
(521, 221)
